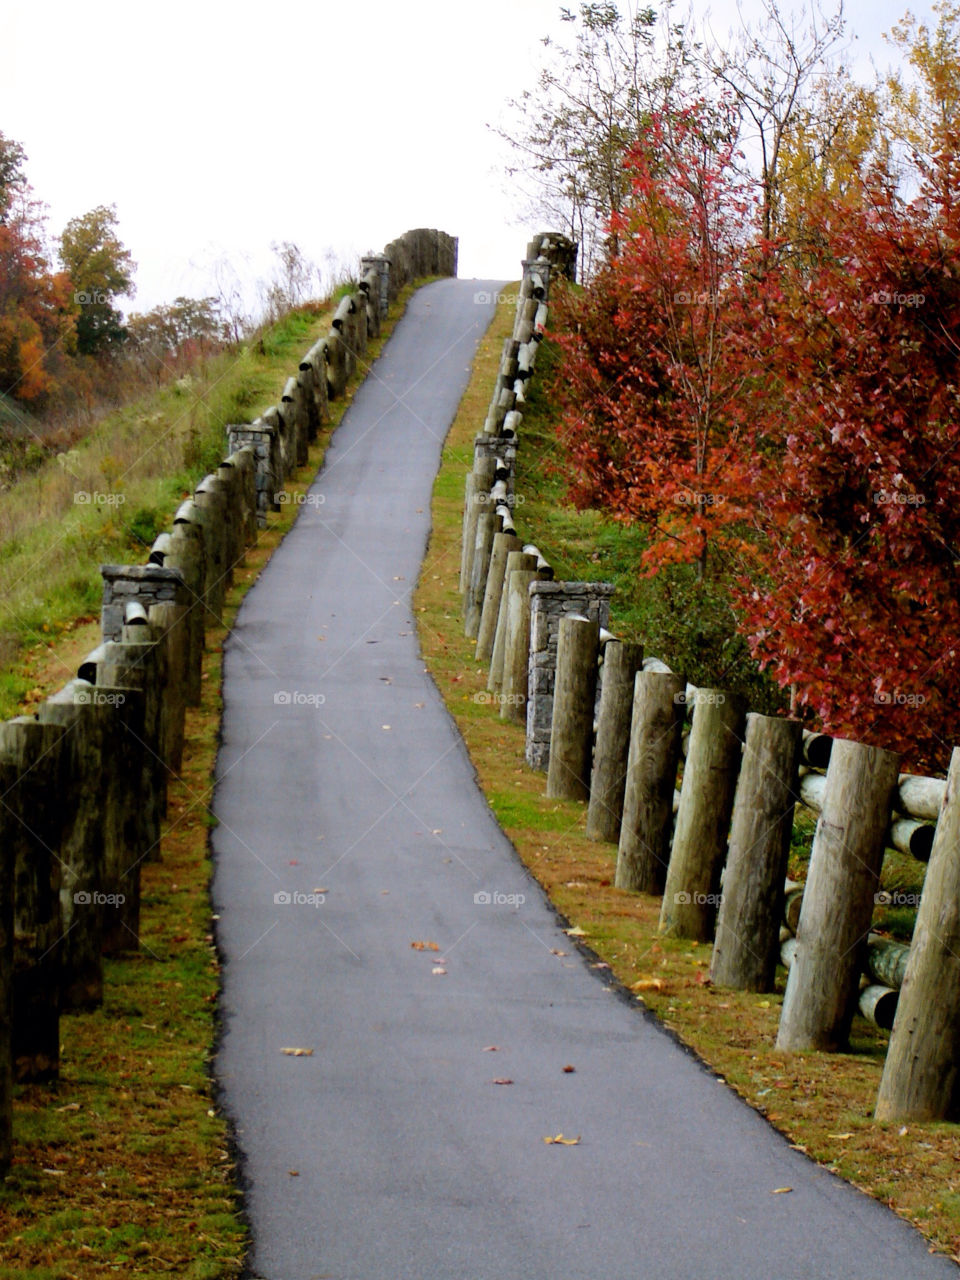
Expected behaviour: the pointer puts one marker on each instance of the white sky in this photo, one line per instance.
(216, 129)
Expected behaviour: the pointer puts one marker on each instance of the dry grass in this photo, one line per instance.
(822, 1102)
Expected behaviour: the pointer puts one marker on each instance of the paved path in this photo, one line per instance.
(411, 1163)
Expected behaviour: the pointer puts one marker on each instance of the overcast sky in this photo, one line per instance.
(217, 129)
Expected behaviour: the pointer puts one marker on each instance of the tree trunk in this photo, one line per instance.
(838, 897)
(655, 727)
(921, 1075)
(621, 662)
(747, 945)
(692, 891)
(574, 700)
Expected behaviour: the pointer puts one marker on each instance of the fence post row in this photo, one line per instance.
(608, 727)
(107, 743)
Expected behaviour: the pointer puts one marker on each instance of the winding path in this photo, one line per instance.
(389, 1153)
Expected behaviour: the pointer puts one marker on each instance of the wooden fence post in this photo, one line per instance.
(503, 544)
(621, 662)
(747, 944)
(838, 897)
(574, 699)
(921, 1075)
(85, 722)
(516, 560)
(483, 473)
(479, 569)
(30, 774)
(655, 728)
(692, 890)
(516, 647)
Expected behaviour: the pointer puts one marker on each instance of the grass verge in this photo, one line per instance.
(823, 1103)
(123, 1167)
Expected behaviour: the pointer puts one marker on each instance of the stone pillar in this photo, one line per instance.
(549, 601)
(146, 584)
(264, 441)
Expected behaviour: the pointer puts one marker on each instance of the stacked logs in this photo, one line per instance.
(84, 779)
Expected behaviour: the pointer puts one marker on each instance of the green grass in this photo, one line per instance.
(136, 465)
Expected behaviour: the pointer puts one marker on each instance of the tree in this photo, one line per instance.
(655, 423)
(862, 601)
(169, 336)
(35, 312)
(768, 73)
(594, 95)
(12, 177)
(102, 271)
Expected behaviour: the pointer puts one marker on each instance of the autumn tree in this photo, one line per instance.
(102, 271)
(35, 309)
(768, 70)
(591, 103)
(655, 426)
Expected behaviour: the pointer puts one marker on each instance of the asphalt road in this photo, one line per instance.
(389, 1153)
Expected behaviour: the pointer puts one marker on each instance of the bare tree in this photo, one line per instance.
(767, 71)
(591, 104)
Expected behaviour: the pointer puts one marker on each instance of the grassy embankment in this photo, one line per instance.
(124, 1168)
(821, 1102)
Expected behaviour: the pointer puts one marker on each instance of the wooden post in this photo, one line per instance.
(747, 945)
(921, 1075)
(655, 728)
(483, 473)
(621, 662)
(516, 647)
(31, 773)
(838, 897)
(7, 869)
(85, 720)
(516, 560)
(128, 831)
(692, 891)
(134, 664)
(503, 544)
(168, 622)
(574, 699)
(483, 546)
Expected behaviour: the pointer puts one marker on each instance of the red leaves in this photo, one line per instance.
(799, 410)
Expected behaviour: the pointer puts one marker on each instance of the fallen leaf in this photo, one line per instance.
(780, 1191)
(840, 1137)
(503, 1080)
(320, 891)
(561, 1141)
(575, 932)
(294, 1173)
(555, 952)
(568, 1068)
(491, 1048)
(576, 884)
(439, 970)
(384, 726)
(425, 946)
(647, 984)
(298, 1053)
(71, 1106)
